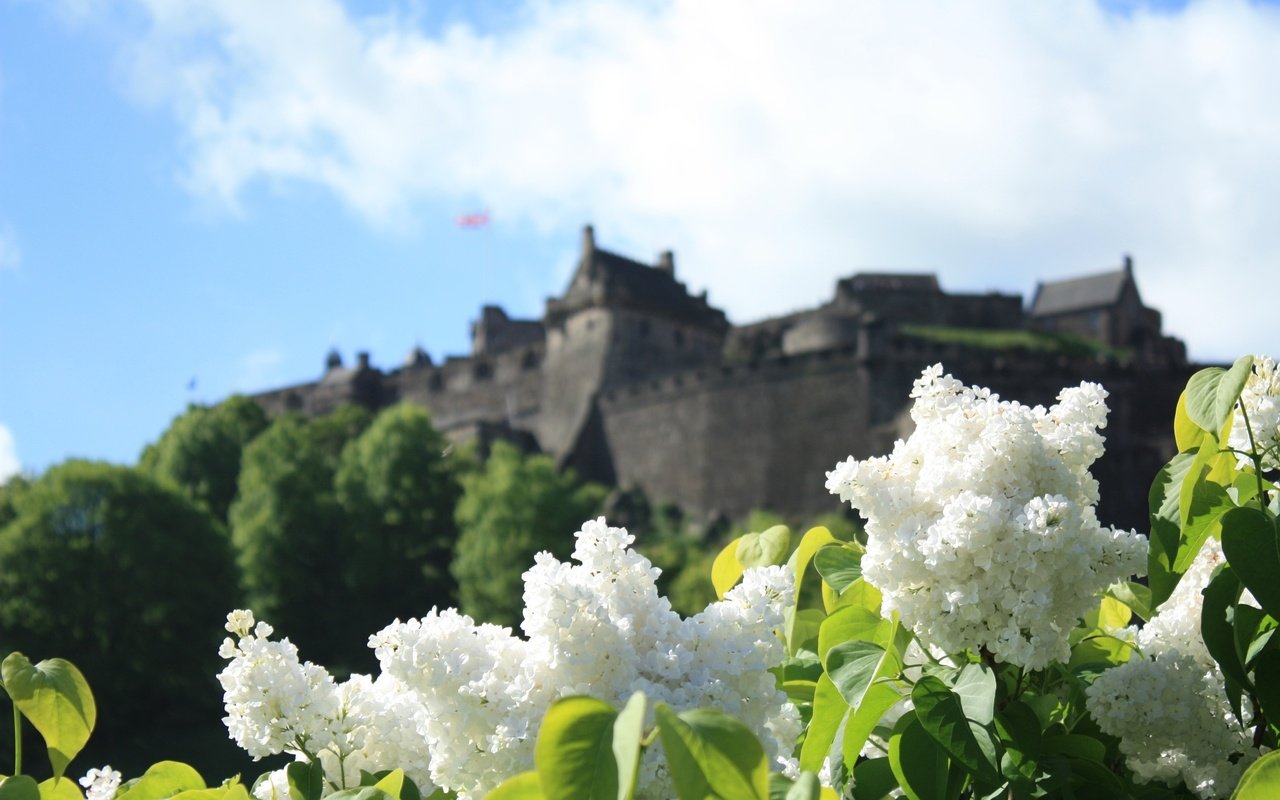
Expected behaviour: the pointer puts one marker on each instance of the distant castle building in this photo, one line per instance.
(635, 382)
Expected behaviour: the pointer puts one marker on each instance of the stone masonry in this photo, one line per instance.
(633, 381)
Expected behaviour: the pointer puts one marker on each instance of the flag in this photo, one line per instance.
(477, 219)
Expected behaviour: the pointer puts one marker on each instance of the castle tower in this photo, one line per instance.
(618, 322)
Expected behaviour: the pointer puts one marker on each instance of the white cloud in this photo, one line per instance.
(776, 145)
(10, 253)
(9, 465)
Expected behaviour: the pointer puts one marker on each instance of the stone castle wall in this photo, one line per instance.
(632, 381)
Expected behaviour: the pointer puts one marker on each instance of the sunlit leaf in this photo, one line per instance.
(55, 698)
(574, 751)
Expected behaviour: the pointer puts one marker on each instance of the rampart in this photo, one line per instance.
(634, 381)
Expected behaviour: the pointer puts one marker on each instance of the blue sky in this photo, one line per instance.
(221, 190)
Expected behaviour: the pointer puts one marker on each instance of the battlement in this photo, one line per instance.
(633, 380)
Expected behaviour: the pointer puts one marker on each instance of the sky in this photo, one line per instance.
(201, 197)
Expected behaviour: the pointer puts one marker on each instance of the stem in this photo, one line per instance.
(17, 740)
(1256, 457)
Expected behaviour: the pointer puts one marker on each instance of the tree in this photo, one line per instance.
(126, 578)
(337, 429)
(513, 508)
(9, 492)
(200, 451)
(399, 491)
(289, 532)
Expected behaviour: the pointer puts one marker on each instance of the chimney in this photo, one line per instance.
(1128, 264)
(362, 360)
(588, 240)
(667, 262)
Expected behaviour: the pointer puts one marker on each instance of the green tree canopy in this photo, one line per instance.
(511, 509)
(399, 491)
(290, 538)
(200, 451)
(126, 578)
(334, 431)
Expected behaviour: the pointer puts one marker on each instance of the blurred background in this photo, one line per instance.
(202, 198)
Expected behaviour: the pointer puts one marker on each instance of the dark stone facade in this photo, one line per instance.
(635, 382)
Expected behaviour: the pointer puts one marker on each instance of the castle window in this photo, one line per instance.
(293, 401)
(530, 360)
(482, 371)
(436, 382)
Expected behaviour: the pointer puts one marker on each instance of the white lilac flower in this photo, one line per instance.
(1260, 400)
(101, 784)
(274, 702)
(981, 526)
(1168, 705)
(458, 705)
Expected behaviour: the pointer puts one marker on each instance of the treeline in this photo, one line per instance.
(330, 528)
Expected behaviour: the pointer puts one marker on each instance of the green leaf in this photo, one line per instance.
(853, 666)
(524, 786)
(864, 719)
(574, 751)
(806, 787)
(829, 713)
(1261, 781)
(1249, 543)
(810, 543)
(1134, 595)
(163, 779)
(860, 593)
(805, 625)
(392, 783)
(1186, 434)
(408, 789)
(60, 789)
(873, 779)
(1267, 683)
(839, 566)
(942, 716)
(813, 540)
(360, 793)
(975, 687)
(711, 754)
(1208, 502)
(853, 623)
(726, 570)
(628, 732)
(19, 787)
(1166, 530)
(55, 698)
(1212, 393)
(306, 780)
(230, 791)
(919, 764)
(1019, 730)
(1216, 626)
(764, 549)
(1077, 746)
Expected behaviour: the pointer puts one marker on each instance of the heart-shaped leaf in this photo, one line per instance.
(839, 566)
(574, 751)
(55, 698)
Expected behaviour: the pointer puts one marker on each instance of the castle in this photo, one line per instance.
(634, 382)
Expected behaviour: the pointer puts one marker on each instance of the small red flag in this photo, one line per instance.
(478, 219)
